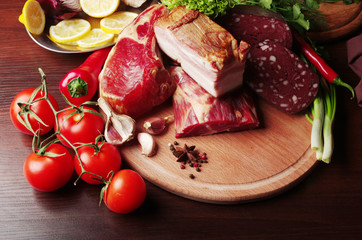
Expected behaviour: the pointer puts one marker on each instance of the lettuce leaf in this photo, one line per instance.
(209, 7)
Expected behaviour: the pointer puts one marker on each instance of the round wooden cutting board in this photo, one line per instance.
(242, 166)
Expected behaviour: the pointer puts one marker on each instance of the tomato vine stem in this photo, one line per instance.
(43, 145)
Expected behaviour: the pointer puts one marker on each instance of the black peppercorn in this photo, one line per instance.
(172, 148)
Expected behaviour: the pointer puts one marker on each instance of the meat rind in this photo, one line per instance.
(205, 50)
(199, 113)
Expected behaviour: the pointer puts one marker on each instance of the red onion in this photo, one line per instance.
(57, 10)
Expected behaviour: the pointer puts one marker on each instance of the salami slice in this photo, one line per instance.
(254, 24)
(279, 76)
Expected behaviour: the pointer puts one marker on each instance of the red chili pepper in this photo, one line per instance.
(80, 84)
(327, 72)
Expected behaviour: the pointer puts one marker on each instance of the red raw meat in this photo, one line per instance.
(133, 79)
(199, 113)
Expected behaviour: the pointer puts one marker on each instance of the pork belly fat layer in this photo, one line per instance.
(206, 51)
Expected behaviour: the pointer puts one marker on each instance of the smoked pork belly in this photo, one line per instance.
(134, 79)
(206, 51)
(199, 113)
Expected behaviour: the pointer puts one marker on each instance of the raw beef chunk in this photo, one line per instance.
(280, 77)
(133, 79)
(206, 51)
(199, 113)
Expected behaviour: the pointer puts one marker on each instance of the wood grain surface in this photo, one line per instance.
(242, 166)
(342, 21)
(325, 205)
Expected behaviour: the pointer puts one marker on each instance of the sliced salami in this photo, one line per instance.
(254, 24)
(279, 76)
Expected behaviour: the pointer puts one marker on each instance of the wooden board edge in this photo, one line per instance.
(230, 194)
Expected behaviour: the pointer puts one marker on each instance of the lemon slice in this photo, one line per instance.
(96, 37)
(117, 21)
(72, 43)
(69, 30)
(99, 8)
(33, 17)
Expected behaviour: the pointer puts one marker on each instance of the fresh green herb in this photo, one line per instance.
(210, 8)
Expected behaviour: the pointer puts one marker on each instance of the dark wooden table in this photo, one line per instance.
(327, 204)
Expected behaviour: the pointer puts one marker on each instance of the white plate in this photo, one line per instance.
(44, 41)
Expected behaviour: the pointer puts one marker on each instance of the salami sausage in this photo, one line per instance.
(254, 24)
(279, 76)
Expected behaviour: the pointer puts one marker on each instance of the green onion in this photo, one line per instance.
(330, 110)
(323, 112)
(317, 109)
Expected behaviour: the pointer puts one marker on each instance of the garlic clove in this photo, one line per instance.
(105, 107)
(134, 3)
(148, 144)
(119, 128)
(156, 125)
(125, 126)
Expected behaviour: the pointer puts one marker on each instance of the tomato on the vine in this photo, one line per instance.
(39, 108)
(99, 159)
(125, 192)
(79, 126)
(48, 173)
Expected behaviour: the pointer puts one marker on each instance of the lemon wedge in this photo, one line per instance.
(117, 21)
(33, 17)
(99, 8)
(95, 38)
(69, 30)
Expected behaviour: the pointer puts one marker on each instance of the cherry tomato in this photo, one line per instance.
(78, 129)
(46, 173)
(40, 108)
(126, 192)
(97, 160)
